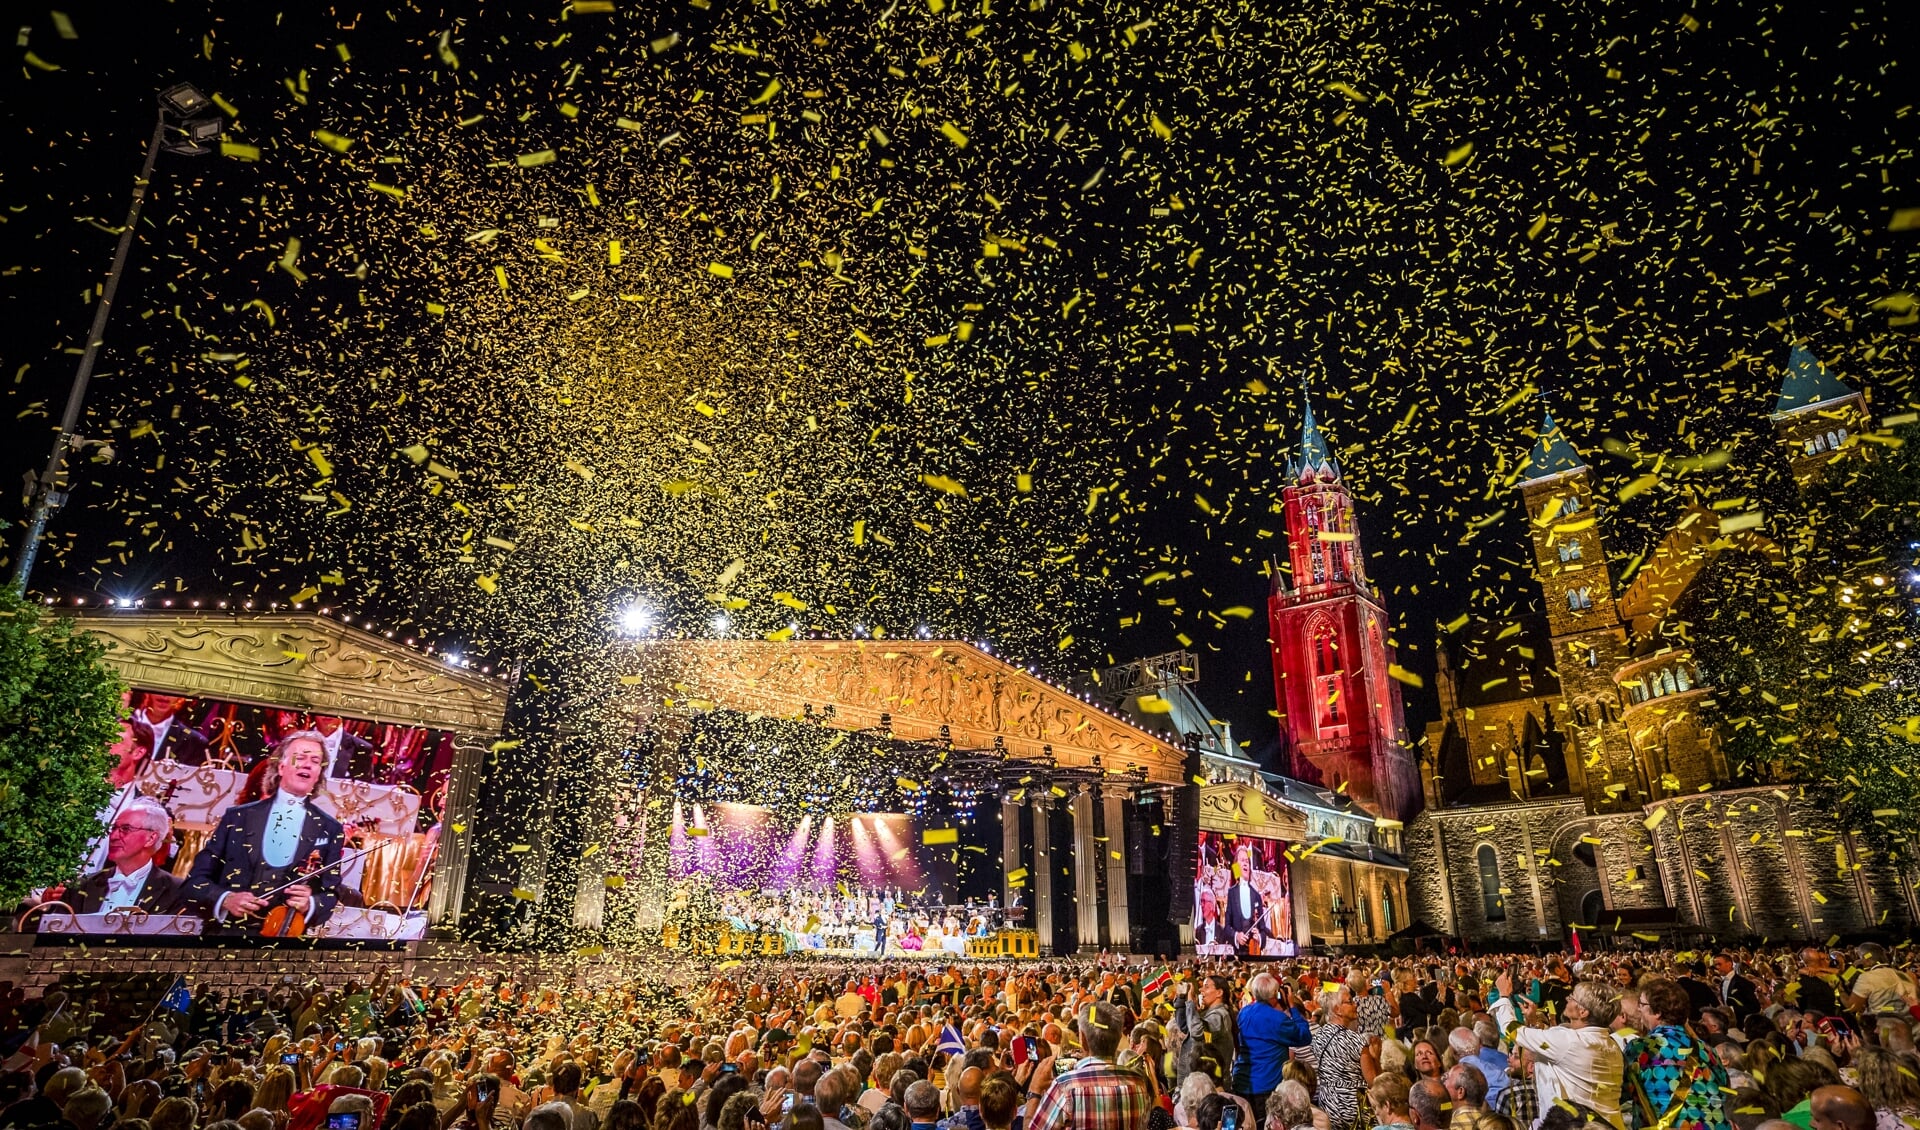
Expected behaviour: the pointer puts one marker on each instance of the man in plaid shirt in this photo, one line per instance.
(1095, 1094)
(1520, 1101)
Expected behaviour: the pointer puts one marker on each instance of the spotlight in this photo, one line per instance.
(720, 623)
(185, 99)
(635, 619)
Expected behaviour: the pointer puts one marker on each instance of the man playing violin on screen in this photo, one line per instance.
(270, 843)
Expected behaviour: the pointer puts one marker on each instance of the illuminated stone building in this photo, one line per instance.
(1576, 774)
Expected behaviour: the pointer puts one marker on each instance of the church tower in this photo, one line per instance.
(1816, 415)
(1340, 715)
(1589, 638)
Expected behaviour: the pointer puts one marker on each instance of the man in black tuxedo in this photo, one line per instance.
(267, 844)
(132, 878)
(161, 727)
(1737, 992)
(1245, 910)
(350, 755)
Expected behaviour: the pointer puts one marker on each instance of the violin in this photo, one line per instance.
(283, 921)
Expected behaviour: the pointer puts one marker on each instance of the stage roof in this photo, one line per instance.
(916, 690)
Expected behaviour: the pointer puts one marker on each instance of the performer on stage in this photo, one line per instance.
(880, 935)
(160, 731)
(260, 846)
(1245, 910)
(139, 833)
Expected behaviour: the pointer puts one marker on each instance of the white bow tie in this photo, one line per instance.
(119, 886)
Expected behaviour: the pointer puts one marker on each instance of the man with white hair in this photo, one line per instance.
(140, 831)
(258, 855)
(1467, 1048)
(1577, 1061)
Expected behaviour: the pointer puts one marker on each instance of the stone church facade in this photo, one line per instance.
(1578, 774)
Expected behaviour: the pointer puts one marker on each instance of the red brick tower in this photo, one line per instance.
(1341, 722)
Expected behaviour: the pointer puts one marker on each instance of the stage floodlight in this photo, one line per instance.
(185, 99)
(635, 619)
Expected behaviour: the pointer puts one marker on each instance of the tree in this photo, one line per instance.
(1815, 655)
(60, 710)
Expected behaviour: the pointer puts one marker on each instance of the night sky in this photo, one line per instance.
(965, 315)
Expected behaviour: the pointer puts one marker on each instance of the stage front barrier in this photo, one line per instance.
(1019, 943)
(720, 939)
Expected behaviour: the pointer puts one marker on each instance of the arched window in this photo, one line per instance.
(1667, 685)
(1572, 505)
(1682, 678)
(1323, 652)
(1569, 551)
(1581, 717)
(1593, 658)
(1579, 600)
(1386, 911)
(1493, 905)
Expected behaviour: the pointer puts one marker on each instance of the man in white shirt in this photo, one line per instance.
(140, 831)
(1577, 1061)
(1881, 989)
(259, 847)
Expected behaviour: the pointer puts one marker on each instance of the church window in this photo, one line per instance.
(1815, 445)
(1323, 652)
(1579, 600)
(1330, 701)
(1581, 715)
(1593, 658)
(1493, 905)
(1681, 678)
(1386, 911)
(1569, 551)
(1836, 438)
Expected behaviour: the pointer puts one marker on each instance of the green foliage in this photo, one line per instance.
(60, 710)
(1814, 654)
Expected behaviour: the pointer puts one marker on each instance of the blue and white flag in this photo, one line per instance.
(179, 998)
(950, 1041)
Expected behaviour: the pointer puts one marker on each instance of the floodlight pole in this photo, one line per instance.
(48, 492)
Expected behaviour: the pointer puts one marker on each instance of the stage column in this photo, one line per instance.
(1119, 929)
(1086, 889)
(1040, 877)
(1010, 854)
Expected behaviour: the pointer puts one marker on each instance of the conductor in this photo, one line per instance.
(264, 845)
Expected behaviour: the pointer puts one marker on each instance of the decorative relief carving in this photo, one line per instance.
(295, 660)
(920, 686)
(1246, 811)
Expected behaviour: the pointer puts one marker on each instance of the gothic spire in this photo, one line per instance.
(1551, 454)
(1314, 452)
(1807, 383)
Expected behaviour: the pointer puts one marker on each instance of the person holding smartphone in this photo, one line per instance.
(481, 1107)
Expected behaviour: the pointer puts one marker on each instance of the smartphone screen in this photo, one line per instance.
(345, 1120)
(786, 1105)
(483, 1093)
(1230, 1117)
(290, 1058)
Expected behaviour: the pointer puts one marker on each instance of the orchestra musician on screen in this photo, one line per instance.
(282, 849)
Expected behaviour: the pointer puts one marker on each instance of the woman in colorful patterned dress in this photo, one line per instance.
(1672, 1081)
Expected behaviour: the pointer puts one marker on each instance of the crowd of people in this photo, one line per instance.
(1761, 1040)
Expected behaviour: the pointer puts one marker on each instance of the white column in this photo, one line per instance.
(1011, 857)
(1040, 876)
(1119, 927)
(1086, 857)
